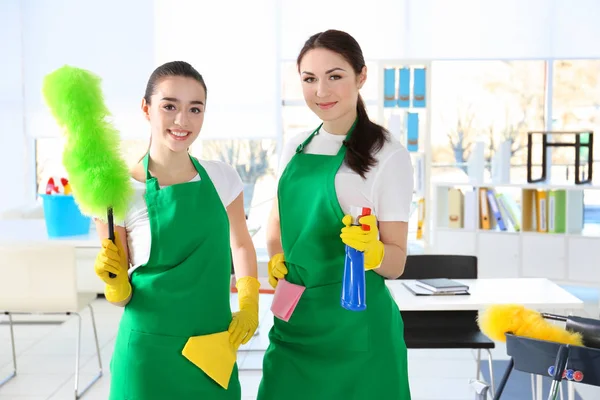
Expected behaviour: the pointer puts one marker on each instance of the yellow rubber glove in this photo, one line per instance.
(276, 269)
(244, 322)
(111, 259)
(363, 240)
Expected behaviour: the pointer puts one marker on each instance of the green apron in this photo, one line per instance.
(182, 291)
(326, 352)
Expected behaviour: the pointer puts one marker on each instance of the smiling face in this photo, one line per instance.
(176, 112)
(329, 84)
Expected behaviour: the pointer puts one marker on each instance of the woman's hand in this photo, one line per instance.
(366, 241)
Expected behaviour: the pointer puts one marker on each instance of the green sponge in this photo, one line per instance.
(98, 175)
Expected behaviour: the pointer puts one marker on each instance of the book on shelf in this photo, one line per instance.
(545, 211)
(482, 208)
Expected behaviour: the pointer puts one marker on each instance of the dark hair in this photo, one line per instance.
(367, 137)
(173, 68)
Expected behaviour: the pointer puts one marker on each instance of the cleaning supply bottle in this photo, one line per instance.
(353, 285)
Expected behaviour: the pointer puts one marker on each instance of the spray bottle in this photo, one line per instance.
(353, 285)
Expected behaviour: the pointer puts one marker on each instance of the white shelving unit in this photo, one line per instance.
(572, 257)
(421, 158)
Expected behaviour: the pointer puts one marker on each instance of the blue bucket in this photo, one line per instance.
(63, 217)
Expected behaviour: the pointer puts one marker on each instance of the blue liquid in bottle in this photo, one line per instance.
(353, 285)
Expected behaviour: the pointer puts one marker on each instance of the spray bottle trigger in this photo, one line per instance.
(365, 211)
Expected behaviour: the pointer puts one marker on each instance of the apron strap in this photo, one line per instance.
(316, 132)
(146, 158)
(201, 171)
(151, 181)
(308, 139)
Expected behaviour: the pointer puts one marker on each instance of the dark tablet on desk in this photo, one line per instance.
(417, 290)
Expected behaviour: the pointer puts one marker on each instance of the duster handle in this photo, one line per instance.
(111, 232)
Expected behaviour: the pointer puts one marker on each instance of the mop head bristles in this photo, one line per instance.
(498, 320)
(98, 175)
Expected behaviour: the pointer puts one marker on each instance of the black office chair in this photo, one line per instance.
(445, 329)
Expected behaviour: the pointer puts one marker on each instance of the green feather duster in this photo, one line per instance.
(97, 174)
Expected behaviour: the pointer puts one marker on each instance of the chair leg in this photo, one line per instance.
(502, 384)
(560, 389)
(14, 351)
(79, 394)
(491, 372)
(478, 363)
(96, 339)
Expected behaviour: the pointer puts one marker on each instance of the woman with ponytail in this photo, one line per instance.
(325, 351)
(170, 265)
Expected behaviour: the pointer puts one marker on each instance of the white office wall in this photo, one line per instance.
(377, 25)
(112, 38)
(575, 29)
(451, 29)
(503, 29)
(234, 45)
(479, 29)
(14, 146)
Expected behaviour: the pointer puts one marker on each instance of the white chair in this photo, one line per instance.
(42, 279)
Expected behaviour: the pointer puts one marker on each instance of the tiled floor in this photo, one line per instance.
(46, 354)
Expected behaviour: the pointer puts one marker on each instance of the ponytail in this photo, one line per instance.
(366, 140)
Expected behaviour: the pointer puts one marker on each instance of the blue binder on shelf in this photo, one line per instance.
(404, 88)
(496, 210)
(389, 87)
(419, 88)
(412, 129)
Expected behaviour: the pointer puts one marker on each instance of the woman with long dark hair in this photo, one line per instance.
(325, 351)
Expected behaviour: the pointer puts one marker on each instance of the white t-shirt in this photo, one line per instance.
(387, 188)
(226, 180)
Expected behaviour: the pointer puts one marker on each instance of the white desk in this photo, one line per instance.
(533, 293)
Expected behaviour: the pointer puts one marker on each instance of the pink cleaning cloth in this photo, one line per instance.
(285, 299)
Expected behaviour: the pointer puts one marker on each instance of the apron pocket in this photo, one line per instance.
(320, 323)
(157, 370)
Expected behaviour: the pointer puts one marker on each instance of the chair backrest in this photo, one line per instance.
(38, 278)
(430, 266)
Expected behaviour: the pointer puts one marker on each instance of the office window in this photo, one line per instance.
(255, 161)
(298, 119)
(48, 155)
(576, 106)
(488, 101)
